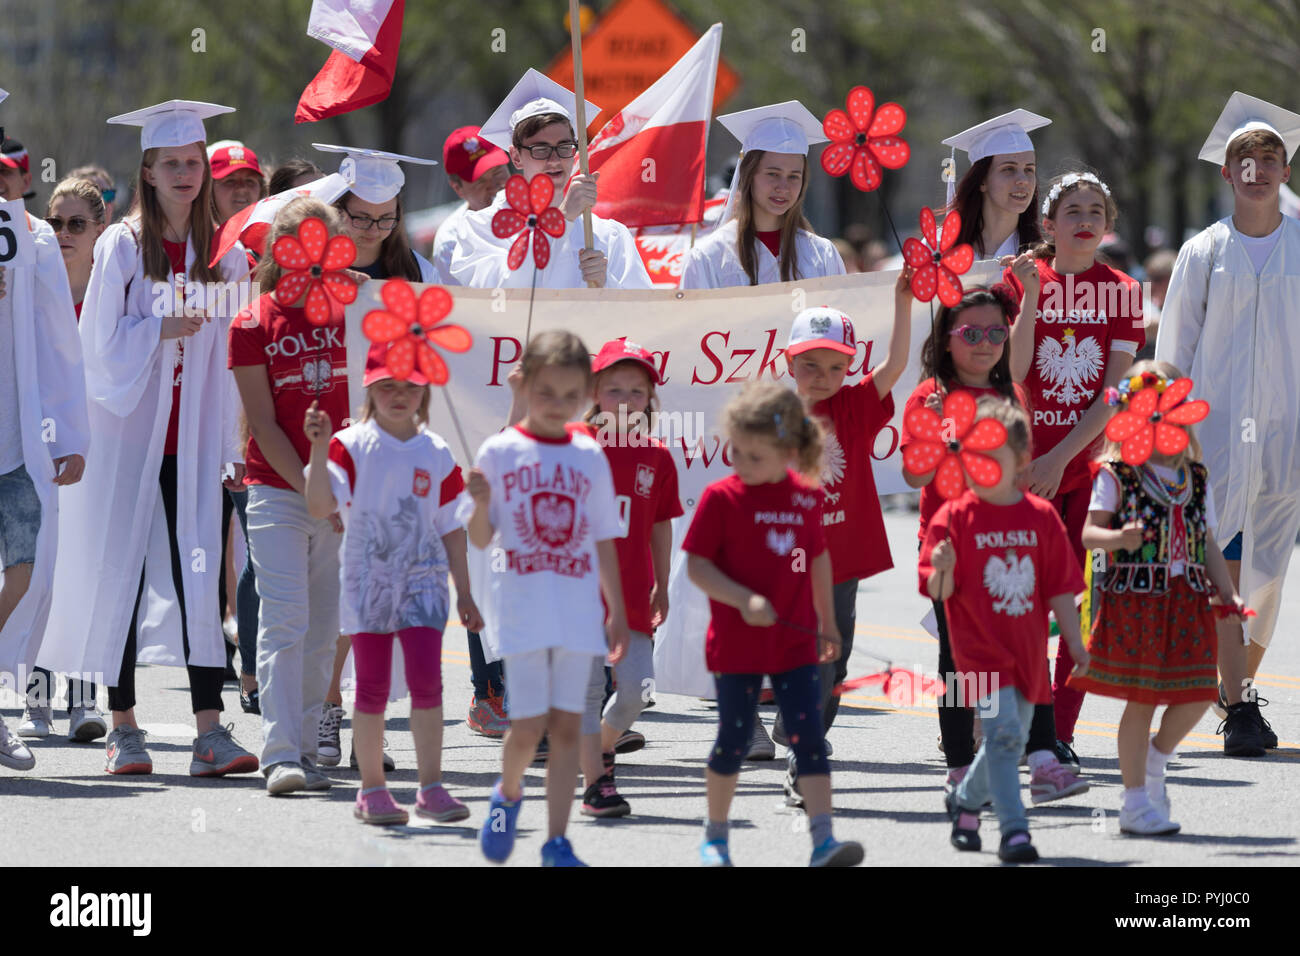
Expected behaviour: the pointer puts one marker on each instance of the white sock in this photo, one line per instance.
(1156, 761)
(1135, 798)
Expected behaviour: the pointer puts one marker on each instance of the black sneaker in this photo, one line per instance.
(607, 762)
(250, 701)
(1265, 729)
(543, 750)
(389, 763)
(1067, 757)
(602, 800)
(629, 741)
(968, 840)
(1020, 853)
(1242, 734)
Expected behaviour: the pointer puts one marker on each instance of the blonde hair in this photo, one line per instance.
(771, 411)
(286, 222)
(83, 189)
(595, 413)
(1111, 450)
(368, 405)
(1020, 436)
(555, 347)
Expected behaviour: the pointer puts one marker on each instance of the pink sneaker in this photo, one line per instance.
(378, 807)
(435, 803)
(1054, 782)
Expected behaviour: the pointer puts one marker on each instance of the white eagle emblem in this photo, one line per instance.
(781, 542)
(833, 460)
(1067, 364)
(317, 374)
(551, 523)
(645, 480)
(1011, 582)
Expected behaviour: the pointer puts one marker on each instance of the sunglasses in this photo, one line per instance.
(76, 225)
(974, 334)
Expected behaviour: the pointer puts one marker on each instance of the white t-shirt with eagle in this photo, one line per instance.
(397, 500)
(552, 500)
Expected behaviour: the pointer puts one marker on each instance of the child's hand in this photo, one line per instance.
(1025, 268)
(479, 489)
(903, 287)
(828, 646)
(617, 636)
(336, 522)
(316, 425)
(943, 557)
(1130, 536)
(467, 610)
(1082, 660)
(1043, 476)
(758, 611)
(516, 378)
(658, 605)
(934, 402)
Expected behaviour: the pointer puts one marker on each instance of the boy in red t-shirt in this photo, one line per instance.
(821, 349)
(999, 559)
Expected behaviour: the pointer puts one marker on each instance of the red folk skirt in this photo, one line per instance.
(1153, 649)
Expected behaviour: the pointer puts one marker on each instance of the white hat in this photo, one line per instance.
(221, 144)
(821, 328)
(174, 123)
(786, 127)
(533, 95)
(1244, 114)
(1008, 133)
(374, 174)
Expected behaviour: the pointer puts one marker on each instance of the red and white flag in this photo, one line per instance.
(365, 35)
(251, 224)
(651, 154)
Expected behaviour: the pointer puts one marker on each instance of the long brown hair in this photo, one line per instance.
(395, 254)
(148, 213)
(791, 222)
(969, 204)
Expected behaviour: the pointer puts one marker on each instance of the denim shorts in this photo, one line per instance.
(1232, 550)
(20, 518)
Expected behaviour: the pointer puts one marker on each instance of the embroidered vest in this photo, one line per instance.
(1169, 520)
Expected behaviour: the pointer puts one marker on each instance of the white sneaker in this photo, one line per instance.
(13, 752)
(37, 722)
(285, 778)
(328, 749)
(1146, 820)
(86, 724)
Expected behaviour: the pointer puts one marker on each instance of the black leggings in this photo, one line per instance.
(956, 723)
(205, 682)
(798, 695)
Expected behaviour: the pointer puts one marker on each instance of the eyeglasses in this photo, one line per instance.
(974, 334)
(364, 223)
(76, 225)
(545, 150)
(108, 194)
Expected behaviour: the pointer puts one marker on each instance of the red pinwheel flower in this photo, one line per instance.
(316, 262)
(1152, 420)
(530, 210)
(411, 328)
(863, 143)
(950, 446)
(938, 263)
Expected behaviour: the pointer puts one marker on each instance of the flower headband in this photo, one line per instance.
(1066, 182)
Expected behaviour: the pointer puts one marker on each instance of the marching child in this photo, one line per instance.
(543, 498)
(1154, 637)
(999, 560)
(396, 486)
(757, 548)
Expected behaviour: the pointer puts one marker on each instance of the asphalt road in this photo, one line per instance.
(887, 770)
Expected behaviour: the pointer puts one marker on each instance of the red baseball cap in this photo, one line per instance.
(226, 160)
(468, 155)
(621, 350)
(14, 155)
(377, 367)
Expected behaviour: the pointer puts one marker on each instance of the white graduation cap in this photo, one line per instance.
(1244, 114)
(1008, 133)
(786, 127)
(374, 174)
(174, 123)
(533, 95)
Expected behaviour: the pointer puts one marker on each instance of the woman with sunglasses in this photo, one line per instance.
(76, 214)
(966, 351)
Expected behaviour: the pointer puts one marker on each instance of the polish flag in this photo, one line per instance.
(650, 156)
(251, 224)
(365, 35)
(663, 248)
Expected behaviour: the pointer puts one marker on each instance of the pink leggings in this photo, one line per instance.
(373, 656)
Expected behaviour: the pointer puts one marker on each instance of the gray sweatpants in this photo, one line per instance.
(634, 674)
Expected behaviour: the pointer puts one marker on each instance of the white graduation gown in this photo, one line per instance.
(713, 263)
(113, 520)
(52, 406)
(1236, 334)
(479, 259)
(428, 272)
(444, 244)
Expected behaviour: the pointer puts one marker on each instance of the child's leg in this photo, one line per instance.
(1234, 662)
(20, 523)
(593, 767)
(633, 672)
(1005, 717)
(322, 630)
(334, 693)
(17, 579)
(1134, 731)
(1176, 723)
(572, 673)
(373, 656)
(1068, 701)
(737, 711)
(530, 694)
(798, 695)
(422, 653)
(956, 717)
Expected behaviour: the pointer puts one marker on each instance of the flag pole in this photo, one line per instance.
(580, 115)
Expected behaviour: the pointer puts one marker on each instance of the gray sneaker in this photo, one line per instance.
(760, 744)
(328, 749)
(125, 751)
(217, 753)
(13, 752)
(37, 722)
(315, 780)
(285, 778)
(86, 724)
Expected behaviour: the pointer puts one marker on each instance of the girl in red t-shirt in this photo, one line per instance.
(966, 351)
(757, 549)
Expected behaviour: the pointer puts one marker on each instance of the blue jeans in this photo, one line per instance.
(995, 773)
(247, 602)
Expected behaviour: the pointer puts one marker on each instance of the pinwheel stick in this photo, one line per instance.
(455, 420)
(580, 117)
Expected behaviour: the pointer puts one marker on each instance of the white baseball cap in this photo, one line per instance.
(822, 328)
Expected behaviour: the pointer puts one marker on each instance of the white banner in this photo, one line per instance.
(706, 342)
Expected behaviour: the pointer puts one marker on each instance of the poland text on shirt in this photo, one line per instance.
(1007, 539)
(1061, 300)
(528, 478)
(778, 517)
